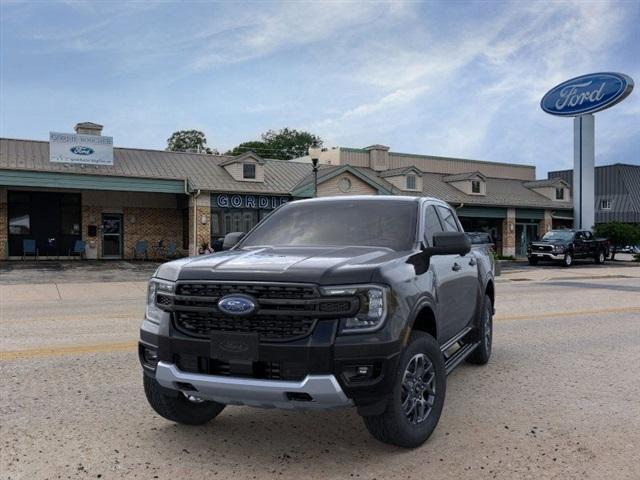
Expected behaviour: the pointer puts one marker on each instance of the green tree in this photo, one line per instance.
(257, 147)
(188, 141)
(283, 144)
(619, 234)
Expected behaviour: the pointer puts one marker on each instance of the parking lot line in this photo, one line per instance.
(54, 351)
(535, 316)
(114, 347)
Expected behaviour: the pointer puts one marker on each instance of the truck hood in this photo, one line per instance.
(320, 265)
(550, 242)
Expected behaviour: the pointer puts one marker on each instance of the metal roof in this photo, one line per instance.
(499, 192)
(206, 172)
(201, 170)
(619, 184)
(547, 182)
(400, 171)
(463, 176)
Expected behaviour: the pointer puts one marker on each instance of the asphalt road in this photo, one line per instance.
(559, 398)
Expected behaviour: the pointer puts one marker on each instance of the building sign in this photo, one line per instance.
(579, 98)
(80, 149)
(239, 200)
(587, 94)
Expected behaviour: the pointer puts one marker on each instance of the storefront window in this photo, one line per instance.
(52, 219)
(19, 217)
(19, 221)
(239, 213)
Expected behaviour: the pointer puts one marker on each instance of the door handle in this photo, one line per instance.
(473, 262)
(456, 267)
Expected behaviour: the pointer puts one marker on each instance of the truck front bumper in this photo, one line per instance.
(316, 372)
(313, 392)
(547, 256)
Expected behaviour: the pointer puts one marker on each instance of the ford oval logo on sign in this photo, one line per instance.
(79, 150)
(587, 94)
(236, 305)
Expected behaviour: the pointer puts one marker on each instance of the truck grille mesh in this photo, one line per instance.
(258, 291)
(269, 327)
(285, 311)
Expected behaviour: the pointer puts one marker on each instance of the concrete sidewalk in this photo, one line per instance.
(17, 294)
(85, 271)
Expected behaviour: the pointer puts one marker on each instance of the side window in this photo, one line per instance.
(448, 220)
(588, 236)
(579, 236)
(431, 224)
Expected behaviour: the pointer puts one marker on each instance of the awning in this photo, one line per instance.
(29, 178)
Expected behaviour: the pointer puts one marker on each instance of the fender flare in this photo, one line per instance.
(426, 301)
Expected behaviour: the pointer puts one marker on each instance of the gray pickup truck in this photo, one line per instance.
(362, 301)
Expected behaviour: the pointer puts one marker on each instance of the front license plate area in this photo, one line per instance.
(235, 346)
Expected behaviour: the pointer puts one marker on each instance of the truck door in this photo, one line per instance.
(455, 276)
(580, 245)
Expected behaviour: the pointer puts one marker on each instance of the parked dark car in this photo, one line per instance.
(565, 246)
(362, 301)
(481, 238)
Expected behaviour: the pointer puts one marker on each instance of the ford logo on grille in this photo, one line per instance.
(237, 305)
(80, 150)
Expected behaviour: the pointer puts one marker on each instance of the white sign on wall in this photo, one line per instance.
(85, 149)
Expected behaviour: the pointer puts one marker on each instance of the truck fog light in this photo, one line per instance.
(356, 373)
(150, 357)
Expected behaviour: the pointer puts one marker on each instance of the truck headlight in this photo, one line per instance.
(156, 286)
(373, 307)
(559, 248)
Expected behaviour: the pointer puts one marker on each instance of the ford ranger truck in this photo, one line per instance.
(366, 302)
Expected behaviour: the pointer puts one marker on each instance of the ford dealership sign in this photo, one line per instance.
(587, 94)
(80, 149)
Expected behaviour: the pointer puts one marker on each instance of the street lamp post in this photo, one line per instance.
(314, 162)
(314, 153)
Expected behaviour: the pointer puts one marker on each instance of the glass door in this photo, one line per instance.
(525, 233)
(111, 235)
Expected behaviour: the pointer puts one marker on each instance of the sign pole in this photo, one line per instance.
(579, 98)
(583, 171)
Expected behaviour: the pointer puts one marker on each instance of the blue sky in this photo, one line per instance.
(461, 79)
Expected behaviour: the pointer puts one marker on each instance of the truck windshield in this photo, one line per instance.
(377, 223)
(558, 235)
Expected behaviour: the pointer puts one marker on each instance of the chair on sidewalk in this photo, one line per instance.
(29, 248)
(172, 249)
(80, 249)
(141, 249)
(159, 250)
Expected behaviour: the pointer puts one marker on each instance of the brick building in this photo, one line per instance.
(189, 199)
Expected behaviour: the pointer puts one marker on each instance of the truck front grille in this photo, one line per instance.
(285, 311)
(258, 291)
(269, 327)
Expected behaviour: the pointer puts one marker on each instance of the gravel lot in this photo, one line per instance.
(559, 398)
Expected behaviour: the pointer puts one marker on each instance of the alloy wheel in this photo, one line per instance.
(418, 389)
(487, 331)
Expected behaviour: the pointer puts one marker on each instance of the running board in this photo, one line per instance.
(455, 339)
(456, 358)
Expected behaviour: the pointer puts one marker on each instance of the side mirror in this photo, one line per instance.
(231, 239)
(450, 243)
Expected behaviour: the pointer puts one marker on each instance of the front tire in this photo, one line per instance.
(179, 408)
(482, 353)
(418, 395)
(567, 261)
(600, 257)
